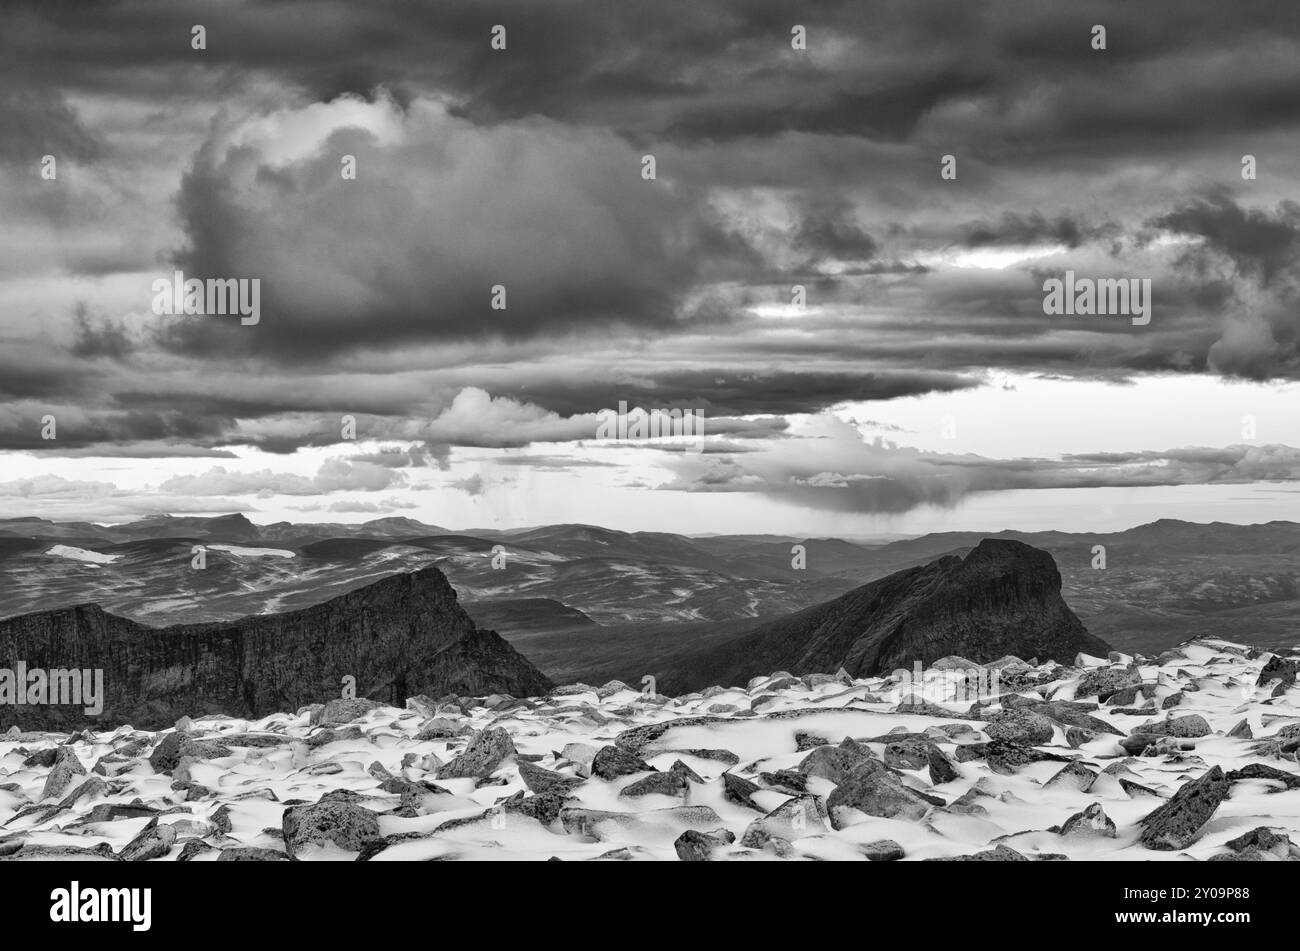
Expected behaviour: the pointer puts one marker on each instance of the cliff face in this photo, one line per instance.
(1003, 598)
(401, 636)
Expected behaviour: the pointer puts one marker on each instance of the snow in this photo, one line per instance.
(253, 552)
(82, 554)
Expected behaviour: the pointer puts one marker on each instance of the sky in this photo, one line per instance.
(838, 267)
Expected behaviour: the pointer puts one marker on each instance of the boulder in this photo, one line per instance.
(1073, 776)
(1175, 824)
(1105, 682)
(66, 768)
(248, 853)
(331, 820)
(1093, 821)
(870, 788)
(832, 763)
(151, 842)
(909, 753)
(941, 768)
(1020, 726)
(882, 850)
(739, 790)
(612, 762)
(541, 780)
(693, 846)
(486, 751)
(1192, 725)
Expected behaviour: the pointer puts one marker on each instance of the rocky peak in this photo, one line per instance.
(401, 636)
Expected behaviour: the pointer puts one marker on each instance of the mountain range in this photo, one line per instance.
(588, 603)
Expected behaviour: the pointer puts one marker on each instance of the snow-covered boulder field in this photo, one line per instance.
(1192, 755)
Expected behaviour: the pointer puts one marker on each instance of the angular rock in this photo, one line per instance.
(804, 741)
(941, 768)
(870, 788)
(340, 711)
(1175, 824)
(692, 846)
(910, 753)
(66, 768)
(1006, 758)
(882, 850)
(1263, 771)
(544, 807)
(191, 848)
(1278, 668)
(1193, 725)
(791, 781)
(832, 763)
(797, 816)
(248, 853)
(153, 841)
(1020, 726)
(667, 783)
(541, 780)
(1105, 682)
(615, 761)
(440, 728)
(486, 751)
(344, 824)
(1262, 839)
(1001, 853)
(1074, 776)
(1093, 821)
(739, 790)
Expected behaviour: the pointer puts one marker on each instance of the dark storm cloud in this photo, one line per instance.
(521, 167)
(828, 231)
(1020, 230)
(78, 428)
(37, 121)
(728, 392)
(702, 68)
(1245, 265)
(100, 337)
(1261, 244)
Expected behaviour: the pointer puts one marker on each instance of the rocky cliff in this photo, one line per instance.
(1002, 598)
(401, 636)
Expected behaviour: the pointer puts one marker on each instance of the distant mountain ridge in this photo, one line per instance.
(401, 636)
(1153, 586)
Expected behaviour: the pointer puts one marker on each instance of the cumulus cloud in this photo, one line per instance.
(334, 475)
(441, 212)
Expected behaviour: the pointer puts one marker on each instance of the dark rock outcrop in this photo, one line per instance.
(1002, 598)
(401, 636)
